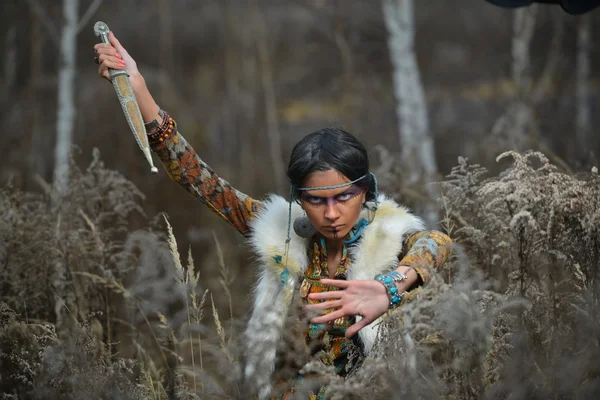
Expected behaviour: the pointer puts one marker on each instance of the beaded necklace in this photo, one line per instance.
(318, 269)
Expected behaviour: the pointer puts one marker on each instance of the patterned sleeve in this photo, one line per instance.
(186, 168)
(426, 252)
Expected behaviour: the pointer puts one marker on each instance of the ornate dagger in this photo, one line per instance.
(120, 80)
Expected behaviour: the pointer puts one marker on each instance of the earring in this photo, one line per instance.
(303, 227)
(371, 207)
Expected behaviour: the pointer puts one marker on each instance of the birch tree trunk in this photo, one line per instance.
(64, 137)
(411, 109)
(583, 124)
(522, 116)
(66, 94)
(65, 122)
(517, 123)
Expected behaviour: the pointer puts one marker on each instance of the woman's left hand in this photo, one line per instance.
(367, 299)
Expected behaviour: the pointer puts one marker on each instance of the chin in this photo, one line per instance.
(340, 234)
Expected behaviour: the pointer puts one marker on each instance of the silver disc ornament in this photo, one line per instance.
(304, 228)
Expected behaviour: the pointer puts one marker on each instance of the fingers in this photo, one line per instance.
(328, 317)
(108, 58)
(120, 49)
(114, 41)
(114, 56)
(353, 330)
(111, 61)
(326, 305)
(107, 49)
(107, 62)
(336, 294)
(336, 283)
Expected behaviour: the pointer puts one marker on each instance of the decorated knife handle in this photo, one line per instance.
(129, 104)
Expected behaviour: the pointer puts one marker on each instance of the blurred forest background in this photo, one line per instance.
(231, 72)
(245, 80)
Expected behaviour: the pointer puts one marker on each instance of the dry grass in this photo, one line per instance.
(513, 315)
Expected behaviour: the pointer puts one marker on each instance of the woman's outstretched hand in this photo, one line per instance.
(367, 299)
(114, 56)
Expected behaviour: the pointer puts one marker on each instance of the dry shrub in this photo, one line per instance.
(82, 230)
(512, 315)
(521, 321)
(21, 349)
(433, 347)
(536, 231)
(83, 293)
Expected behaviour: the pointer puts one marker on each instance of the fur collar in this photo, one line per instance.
(377, 250)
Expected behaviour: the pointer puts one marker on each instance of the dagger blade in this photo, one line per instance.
(129, 104)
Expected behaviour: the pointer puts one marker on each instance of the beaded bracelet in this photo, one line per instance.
(389, 281)
(153, 125)
(164, 131)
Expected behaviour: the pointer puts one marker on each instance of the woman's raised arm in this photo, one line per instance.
(181, 162)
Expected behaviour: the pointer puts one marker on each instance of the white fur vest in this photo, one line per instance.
(376, 251)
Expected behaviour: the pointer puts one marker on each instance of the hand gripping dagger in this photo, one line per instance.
(120, 80)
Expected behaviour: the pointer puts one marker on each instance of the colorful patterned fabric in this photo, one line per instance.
(327, 340)
(424, 251)
(185, 167)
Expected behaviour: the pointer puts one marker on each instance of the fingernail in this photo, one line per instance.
(118, 55)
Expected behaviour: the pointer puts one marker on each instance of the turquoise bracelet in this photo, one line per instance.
(389, 281)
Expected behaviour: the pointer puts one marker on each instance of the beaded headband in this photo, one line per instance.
(338, 186)
(341, 185)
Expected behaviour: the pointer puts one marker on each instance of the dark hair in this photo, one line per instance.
(330, 148)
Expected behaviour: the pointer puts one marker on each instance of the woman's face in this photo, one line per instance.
(333, 212)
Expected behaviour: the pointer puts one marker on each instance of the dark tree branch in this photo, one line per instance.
(88, 14)
(45, 19)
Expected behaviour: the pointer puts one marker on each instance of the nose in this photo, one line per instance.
(331, 212)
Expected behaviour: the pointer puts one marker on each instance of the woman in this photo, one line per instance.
(352, 254)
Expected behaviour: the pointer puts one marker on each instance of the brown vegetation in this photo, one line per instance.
(97, 302)
(514, 315)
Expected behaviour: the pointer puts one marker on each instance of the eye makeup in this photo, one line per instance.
(315, 200)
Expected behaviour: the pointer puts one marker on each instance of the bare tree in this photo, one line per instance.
(65, 120)
(411, 109)
(524, 25)
(64, 126)
(517, 127)
(517, 122)
(66, 94)
(555, 55)
(268, 88)
(583, 123)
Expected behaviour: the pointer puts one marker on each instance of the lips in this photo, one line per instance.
(333, 228)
